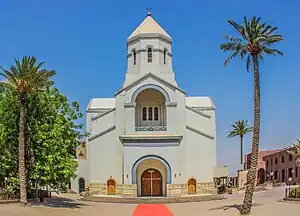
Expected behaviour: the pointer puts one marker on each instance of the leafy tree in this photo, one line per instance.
(240, 128)
(24, 78)
(296, 151)
(254, 41)
(52, 135)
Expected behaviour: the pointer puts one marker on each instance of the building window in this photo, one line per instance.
(165, 56)
(276, 175)
(290, 157)
(149, 54)
(276, 160)
(267, 163)
(150, 113)
(296, 172)
(134, 57)
(282, 159)
(290, 173)
(283, 175)
(156, 114)
(144, 114)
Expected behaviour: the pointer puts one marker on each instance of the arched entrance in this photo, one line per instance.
(81, 183)
(260, 176)
(111, 187)
(151, 162)
(192, 186)
(151, 183)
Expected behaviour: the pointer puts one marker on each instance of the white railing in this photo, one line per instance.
(151, 128)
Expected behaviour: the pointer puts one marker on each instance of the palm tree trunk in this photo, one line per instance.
(251, 176)
(241, 138)
(22, 169)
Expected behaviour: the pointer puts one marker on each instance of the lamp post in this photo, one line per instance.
(290, 181)
(271, 174)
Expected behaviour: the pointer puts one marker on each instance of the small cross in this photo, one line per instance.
(149, 11)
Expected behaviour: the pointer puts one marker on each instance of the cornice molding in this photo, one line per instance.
(197, 112)
(103, 114)
(102, 133)
(200, 132)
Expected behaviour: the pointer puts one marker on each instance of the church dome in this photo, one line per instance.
(149, 28)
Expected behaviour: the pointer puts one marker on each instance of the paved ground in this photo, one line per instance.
(265, 203)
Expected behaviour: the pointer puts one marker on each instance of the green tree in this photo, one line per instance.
(296, 151)
(25, 78)
(240, 128)
(52, 136)
(254, 41)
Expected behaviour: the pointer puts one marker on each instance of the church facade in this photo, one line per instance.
(151, 139)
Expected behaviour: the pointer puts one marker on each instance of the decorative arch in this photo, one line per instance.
(164, 162)
(150, 86)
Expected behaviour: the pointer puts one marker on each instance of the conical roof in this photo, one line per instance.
(149, 26)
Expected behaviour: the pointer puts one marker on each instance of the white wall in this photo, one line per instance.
(105, 158)
(82, 172)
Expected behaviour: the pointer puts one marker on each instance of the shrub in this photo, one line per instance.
(295, 193)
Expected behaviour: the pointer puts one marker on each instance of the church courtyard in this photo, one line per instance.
(265, 203)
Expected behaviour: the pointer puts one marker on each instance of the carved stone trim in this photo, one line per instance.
(171, 104)
(126, 105)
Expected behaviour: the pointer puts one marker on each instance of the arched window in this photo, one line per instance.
(144, 114)
(165, 56)
(276, 160)
(134, 57)
(150, 111)
(156, 113)
(149, 54)
(81, 184)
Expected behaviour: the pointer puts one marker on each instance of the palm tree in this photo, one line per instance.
(254, 41)
(240, 128)
(25, 78)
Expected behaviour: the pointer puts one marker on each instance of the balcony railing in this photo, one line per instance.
(151, 128)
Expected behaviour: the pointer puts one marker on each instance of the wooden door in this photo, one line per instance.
(151, 183)
(156, 183)
(111, 187)
(192, 186)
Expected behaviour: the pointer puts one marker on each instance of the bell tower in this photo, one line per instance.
(149, 50)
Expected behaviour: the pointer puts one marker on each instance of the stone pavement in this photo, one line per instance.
(265, 203)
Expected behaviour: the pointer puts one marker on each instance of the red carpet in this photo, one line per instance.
(152, 210)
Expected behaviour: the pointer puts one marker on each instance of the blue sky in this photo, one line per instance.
(85, 42)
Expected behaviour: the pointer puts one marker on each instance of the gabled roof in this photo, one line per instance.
(149, 25)
(101, 103)
(153, 77)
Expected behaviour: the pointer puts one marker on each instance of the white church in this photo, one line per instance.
(151, 139)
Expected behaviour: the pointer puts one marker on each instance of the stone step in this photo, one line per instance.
(152, 200)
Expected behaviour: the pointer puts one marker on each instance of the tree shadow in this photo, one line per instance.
(234, 206)
(59, 202)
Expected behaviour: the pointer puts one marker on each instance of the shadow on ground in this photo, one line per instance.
(59, 202)
(234, 206)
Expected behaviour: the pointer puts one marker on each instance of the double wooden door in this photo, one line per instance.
(151, 183)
